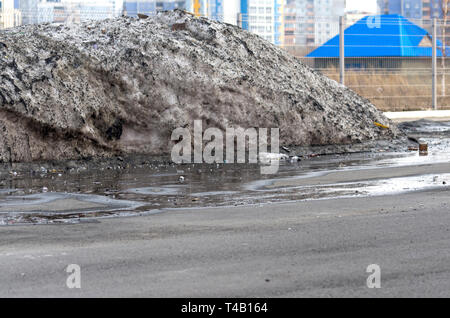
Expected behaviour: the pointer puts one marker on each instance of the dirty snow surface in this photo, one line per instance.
(122, 85)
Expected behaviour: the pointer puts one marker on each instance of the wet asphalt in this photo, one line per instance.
(305, 249)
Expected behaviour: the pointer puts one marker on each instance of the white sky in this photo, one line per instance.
(362, 5)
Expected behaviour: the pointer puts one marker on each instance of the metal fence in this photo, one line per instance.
(394, 62)
(390, 61)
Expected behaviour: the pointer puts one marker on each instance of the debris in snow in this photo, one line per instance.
(268, 158)
(142, 16)
(423, 149)
(381, 125)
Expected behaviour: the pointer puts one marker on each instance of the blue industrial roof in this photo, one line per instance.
(376, 36)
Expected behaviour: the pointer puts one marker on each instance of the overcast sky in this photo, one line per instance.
(362, 5)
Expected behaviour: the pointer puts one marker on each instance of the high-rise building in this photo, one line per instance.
(432, 9)
(9, 15)
(29, 9)
(133, 7)
(327, 13)
(311, 22)
(290, 23)
(62, 11)
(265, 18)
(299, 23)
(408, 8)
(227, 11)
(96, 10)
(412, 9)
(383, 6)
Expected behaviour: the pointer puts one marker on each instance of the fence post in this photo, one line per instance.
(434, 65)
(342, 49)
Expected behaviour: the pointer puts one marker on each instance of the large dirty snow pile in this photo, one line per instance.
(121, 86)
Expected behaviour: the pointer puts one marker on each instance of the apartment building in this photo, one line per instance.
(412, 9)
(311, 22)
(66, 11)
(327, 13)
(431, 9)
(265, 18)
(9, 15)
(199, 7)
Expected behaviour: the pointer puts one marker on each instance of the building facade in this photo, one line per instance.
(29, 9)
(9, 14)
(309, 23)
(63, 11)
(327, 13)
(265, 18)
(412, 9)
(132, 8)
(227, 11)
